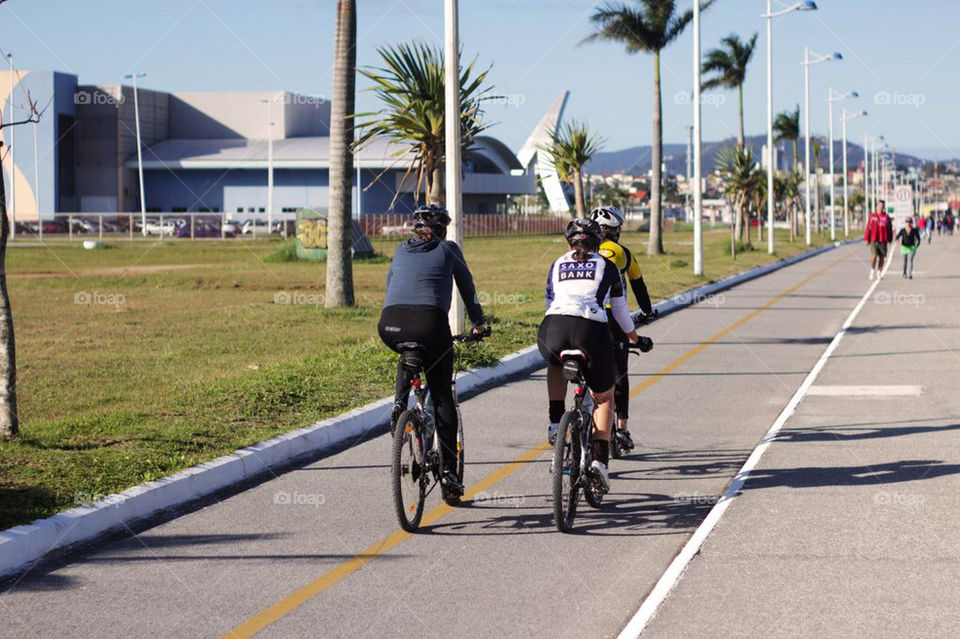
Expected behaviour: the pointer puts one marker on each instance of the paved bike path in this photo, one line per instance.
(495, 566)
(848, 526)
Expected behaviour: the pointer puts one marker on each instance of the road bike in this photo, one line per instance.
(416, 462)
(573, 451)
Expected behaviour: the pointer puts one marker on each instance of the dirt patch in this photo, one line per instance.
(145, 269)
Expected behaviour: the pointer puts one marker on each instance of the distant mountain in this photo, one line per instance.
(636, 160)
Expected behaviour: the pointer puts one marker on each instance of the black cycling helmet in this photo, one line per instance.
(432, 215)
(582, 228)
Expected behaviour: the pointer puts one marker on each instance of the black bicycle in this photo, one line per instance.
(573, 450)
(416, 467)
(620, 443)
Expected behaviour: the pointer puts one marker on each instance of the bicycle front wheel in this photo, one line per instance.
(566, 471)
(409, 472)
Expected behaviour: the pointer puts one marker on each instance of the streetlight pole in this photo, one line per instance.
(13, 165)
(697, 142)
(807, 5)
(844, 116)
(269, 102)
(452, 140)
(833, 96)
(136, 116)
(808, 62)
(867, 203)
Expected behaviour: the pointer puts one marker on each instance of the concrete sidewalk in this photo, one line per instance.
(848, 525)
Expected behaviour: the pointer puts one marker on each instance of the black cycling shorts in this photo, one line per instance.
(563, 332)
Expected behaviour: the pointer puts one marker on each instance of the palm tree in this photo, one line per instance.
(647, 26)
(737, 170)
(571, 147)
(790, 195)
(729, 64)
(786, 126)
(410, 86)
(339, 290)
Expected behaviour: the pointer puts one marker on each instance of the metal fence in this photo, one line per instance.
(395, 225)
(227, 225)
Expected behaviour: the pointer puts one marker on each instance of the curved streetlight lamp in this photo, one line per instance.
(806, 5)
(834, 96)
(844, 116)
(809, 59)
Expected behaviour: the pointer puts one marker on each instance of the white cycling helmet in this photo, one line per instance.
(606, 215)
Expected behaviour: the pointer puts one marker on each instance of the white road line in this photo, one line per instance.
(679, 564)
(888, 390)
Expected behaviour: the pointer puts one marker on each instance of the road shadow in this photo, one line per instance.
(866, 475)
(853, 433)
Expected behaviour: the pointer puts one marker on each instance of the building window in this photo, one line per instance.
(179, 209)
(239, 209)
(250, 209)
(261, 210)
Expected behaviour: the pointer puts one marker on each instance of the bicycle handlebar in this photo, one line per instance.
(643, 345)
(472, 337)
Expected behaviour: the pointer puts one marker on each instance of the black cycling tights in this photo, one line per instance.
(428, 326)
(621, 355)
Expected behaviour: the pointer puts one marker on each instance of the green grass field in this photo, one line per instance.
(187, 351)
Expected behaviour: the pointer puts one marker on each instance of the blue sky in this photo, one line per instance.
(901, 57)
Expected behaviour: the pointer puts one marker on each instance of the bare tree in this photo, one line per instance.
(9, 424)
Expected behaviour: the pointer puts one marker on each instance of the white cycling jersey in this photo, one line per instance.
(581, 288)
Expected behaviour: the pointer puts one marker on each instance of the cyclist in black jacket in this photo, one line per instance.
(419, 291)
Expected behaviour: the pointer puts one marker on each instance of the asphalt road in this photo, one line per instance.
(317, 552)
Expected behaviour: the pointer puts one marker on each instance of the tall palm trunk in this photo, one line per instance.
(578, 193)
(655, 245)
(435, 195)
(9, 426)
(740, 121)
(339, 290)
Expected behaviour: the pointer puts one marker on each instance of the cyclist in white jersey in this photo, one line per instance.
(579, 284)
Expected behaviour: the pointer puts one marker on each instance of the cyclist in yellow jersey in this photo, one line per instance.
(610, 220)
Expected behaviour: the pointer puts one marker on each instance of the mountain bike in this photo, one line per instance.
(573, 450)
(416, 462)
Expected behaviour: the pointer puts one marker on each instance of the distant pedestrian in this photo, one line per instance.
(909, 241)
(877, 233)
(928, 227)
(948, 221)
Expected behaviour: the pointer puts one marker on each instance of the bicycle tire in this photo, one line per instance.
(454, 501)
(407, 439)
(566, 457)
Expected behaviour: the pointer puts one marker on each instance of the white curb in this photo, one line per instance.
(22, 546)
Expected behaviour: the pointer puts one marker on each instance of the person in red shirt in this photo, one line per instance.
(878, 233)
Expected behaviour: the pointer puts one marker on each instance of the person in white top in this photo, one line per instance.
(579, 283)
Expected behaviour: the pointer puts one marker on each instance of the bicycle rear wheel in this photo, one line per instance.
(566, 471)
(409, 472)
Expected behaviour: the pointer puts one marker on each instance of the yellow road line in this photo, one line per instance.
(301, 595)
(740, 322)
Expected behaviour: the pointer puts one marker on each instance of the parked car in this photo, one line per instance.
(401, 229)
(155, 228)
(259, 226)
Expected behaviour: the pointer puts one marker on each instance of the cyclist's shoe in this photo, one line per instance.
(625, 440)
(552, 433)
(395, 415)
(599, 470)
(450, 486)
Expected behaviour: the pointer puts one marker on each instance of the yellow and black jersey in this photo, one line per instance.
(629, 269)
(623, 258)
